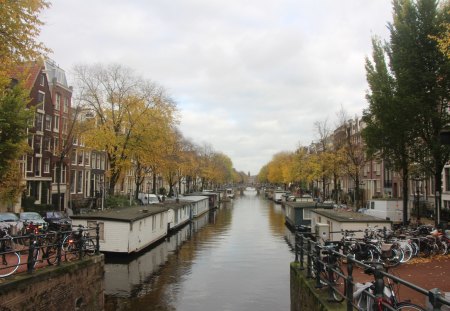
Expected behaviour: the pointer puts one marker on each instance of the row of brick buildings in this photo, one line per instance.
(82, 170)
(378, 181)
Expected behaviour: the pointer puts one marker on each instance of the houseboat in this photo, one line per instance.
(179, 214)
(199, 204)
(298, 214)
(127, 230)
(278, 196)
(213, 197)
(332, 222)
(230, 193)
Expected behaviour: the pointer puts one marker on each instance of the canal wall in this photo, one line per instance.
(72, 286)
(304, 296)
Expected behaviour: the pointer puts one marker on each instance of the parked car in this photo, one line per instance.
(57, 220)
(148, 198)
(11, 222)
(35, 219)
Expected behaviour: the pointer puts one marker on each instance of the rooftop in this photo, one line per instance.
(126, 214)
(348, 216)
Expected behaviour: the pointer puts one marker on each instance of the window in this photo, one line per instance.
(63, 174)
(93, 160)
(447, 179)
(98, 161)
(86, 182)
(306, 213)
(37, 170)
(56, 125)
(72, 181)
(80, 182)
(47, 143)
(39, 122)
(46, 165)
(31, 140)
(103, 162)
(42, 79)
(73, 157)
(38, 144)
(58, 101)
(80, 158)
(56, 143)
(64, 125)
(48, 122)
(101, 228)
(40, 101)
(86, 158)
(29, 164)
(66, 105)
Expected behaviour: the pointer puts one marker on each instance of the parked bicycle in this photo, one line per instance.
(78, 243)
(366, 297)
(10, 259)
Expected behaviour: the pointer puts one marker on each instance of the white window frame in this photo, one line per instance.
(47, 165)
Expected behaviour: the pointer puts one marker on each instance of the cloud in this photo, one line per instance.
(249, 77)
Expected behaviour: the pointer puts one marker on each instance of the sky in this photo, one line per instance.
(250, 78)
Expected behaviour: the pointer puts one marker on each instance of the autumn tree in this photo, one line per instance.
(20, 28)
(122, 103)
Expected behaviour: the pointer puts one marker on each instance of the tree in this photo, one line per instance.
(14, 121)
(422, 80)
(19, 30)
(18, 34)
(123, 103)
(388, 133)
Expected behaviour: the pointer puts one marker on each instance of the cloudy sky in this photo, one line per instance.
(249, 77)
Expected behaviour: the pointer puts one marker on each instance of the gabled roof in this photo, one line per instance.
(30, 71)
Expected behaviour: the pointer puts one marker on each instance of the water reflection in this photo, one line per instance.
(235, 258)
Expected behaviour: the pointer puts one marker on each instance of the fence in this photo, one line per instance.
(24, 253)
(325, 269)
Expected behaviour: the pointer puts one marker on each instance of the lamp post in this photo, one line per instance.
(148, 192)
(417, 198)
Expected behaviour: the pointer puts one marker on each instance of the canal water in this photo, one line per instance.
(234, 258)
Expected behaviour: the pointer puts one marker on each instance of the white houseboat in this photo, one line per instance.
(179, 214)
(199, 204)
(127, 230)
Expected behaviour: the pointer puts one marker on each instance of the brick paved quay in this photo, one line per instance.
(427, 273)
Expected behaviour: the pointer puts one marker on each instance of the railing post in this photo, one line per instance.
(59, 239)
(433, 297)
(30, 260)
(331, 266)
(379, 284)
(296, 246)
(302, 250)
(349, 283)
(80, 243)
(317, 265)
(309, 259)
(97, 239)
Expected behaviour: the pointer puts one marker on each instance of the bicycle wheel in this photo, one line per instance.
(407, 306)
(394, 260)
(89, 247)
(407, 252)
(338, 281)
(35, 256)
(10, 262)
(443, 247)
(51, 254)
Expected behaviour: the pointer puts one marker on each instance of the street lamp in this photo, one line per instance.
(148, 192)
(417, 198)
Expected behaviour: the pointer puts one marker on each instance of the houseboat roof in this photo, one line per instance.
(173, 204)
(193, 198)
(348, 216)
(310, 204)
(207, 193)
(127, 214)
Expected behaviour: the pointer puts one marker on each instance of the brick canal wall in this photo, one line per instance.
(71, 286)
(304, 296)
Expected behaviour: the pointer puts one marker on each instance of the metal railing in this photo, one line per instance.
(31, 251)
(308, 255)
